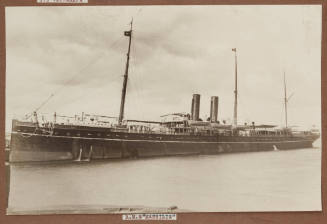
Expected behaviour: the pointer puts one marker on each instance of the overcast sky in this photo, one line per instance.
(79, 54)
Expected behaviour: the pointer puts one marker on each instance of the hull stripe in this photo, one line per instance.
(162, 141)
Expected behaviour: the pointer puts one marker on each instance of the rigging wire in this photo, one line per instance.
(92, 93)
(139, 95)
(44, 102)
(116, 76)
(76, 75)
(282, 112)
(135, 80)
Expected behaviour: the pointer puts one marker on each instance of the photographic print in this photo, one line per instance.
(163, 109)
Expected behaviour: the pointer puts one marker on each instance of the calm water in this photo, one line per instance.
(264, 181)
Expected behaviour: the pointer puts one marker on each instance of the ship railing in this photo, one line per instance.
(89, 124)
(142, 131)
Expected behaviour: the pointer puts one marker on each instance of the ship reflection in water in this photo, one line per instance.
(257, 181)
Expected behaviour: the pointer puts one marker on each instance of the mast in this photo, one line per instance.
(123, 94)
(235, 91)
(285, 101)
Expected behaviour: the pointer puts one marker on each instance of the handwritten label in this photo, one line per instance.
(62, 1)
(150, 217)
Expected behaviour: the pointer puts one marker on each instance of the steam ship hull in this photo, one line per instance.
(31, 147)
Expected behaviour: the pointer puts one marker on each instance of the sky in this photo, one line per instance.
(78, 54)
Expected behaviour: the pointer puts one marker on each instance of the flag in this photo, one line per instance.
(128, 33)
(234, 49)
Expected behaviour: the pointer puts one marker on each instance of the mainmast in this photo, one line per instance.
(123, 94)
(285, 100)
(235, 91)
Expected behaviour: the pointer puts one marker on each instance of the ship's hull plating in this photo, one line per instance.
(27, 147)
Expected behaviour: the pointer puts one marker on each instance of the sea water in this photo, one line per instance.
(257, 181)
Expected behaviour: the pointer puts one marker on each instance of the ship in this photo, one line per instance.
(87, 137)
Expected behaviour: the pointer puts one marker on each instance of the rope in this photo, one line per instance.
(135, 83)
(80, 71)
(44, 102)
(76, 75)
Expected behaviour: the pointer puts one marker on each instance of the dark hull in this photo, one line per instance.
(28, 147)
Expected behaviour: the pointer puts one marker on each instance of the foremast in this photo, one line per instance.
(123, 94)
